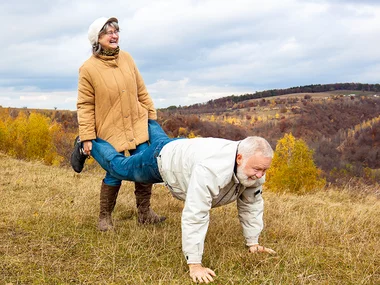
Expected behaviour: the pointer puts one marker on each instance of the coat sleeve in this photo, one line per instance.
(143, 95)
(195, 215)
(86, 106)
(250, 206)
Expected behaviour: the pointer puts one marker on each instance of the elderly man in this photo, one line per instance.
(204, 173)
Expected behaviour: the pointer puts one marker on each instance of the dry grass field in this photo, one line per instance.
(48, 235)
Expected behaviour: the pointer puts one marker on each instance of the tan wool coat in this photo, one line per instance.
(113, 102)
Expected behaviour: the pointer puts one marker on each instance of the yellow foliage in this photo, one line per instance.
(182, 131)
(3, 135)
(30, 138)
(191, 135)
(230, 120)
(17, 136)
(233, 121)
(293, 168)
(363, 126)
(39, 141)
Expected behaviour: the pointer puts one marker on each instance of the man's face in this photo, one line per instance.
(252, 168)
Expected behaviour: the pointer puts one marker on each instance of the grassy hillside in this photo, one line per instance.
(48, 235)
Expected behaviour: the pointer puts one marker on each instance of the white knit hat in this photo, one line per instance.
(96, 26)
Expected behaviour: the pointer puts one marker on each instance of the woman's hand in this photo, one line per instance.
(87, 147)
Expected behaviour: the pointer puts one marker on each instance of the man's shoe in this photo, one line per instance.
(78, 157)
(148, 216)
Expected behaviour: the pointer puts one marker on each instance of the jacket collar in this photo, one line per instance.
(110, 60)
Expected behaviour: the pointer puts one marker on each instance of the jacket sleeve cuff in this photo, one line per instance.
(152, 116)
(87, 137)
(193, 259)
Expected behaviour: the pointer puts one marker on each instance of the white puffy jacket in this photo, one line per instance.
(200, 171)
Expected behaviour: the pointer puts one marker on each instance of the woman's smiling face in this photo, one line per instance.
(110, 39)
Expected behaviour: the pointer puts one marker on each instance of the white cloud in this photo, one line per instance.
(190, 51)
(32, 97)
(167, 93)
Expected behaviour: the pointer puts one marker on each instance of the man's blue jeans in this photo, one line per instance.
(141, 167)
(113, 181)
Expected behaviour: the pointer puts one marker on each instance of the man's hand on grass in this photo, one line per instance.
(201, 274)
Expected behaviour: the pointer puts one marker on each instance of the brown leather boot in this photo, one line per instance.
(108, 196)
(145, 214)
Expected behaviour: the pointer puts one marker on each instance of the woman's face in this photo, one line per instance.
(109, 40)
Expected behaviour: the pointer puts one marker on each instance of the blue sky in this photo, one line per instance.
(189, 51)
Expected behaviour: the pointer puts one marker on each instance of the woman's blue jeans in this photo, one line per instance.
(140, 167)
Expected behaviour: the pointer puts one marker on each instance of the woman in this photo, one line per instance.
(114, 105)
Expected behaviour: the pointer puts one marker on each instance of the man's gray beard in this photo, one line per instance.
(243, 179)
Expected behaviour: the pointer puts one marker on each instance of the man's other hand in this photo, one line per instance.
(201, 274)
(259, 248)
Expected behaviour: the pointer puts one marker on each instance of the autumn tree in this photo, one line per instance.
(17, 135)
(3, 135)
(33, 137)
(38, 141)
(293, 169)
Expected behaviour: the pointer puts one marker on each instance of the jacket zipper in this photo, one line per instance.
(236, 191)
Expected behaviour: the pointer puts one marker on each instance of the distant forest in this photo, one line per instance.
(230, 101)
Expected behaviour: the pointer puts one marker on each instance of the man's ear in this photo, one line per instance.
(239, 158)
